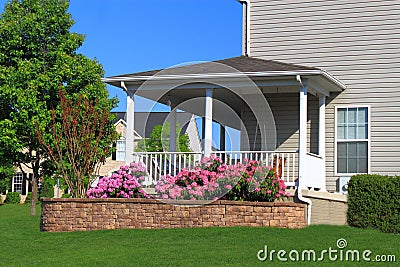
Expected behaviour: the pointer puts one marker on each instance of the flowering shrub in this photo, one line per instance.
(199, 183)
(266, 186)
(125, 183)
(213, 179)
(241, 189)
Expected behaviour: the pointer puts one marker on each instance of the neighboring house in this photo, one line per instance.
(330, 73)
(144, 124)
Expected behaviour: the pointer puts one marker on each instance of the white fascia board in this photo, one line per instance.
(211, 76)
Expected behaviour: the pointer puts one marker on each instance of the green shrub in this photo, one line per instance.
(374, 202)
(66, 196)
(13, 198)
(47, 188)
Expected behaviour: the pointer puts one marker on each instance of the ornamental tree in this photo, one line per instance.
(37, 57)
(80, 139)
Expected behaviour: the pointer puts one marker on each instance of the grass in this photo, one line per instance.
(22, 244)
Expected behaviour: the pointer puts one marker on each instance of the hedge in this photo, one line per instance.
(13, 198)
(374, 202)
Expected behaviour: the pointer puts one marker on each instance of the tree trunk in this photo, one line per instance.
(35, 176)
(34, 195)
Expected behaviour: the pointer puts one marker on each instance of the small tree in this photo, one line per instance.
(81, 139)
(159, 140)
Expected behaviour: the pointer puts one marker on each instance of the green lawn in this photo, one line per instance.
(22, 244)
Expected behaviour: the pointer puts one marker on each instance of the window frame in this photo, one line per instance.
(14, 183)
(368, 140)
(122, 140)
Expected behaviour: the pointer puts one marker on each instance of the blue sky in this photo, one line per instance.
(128, 36)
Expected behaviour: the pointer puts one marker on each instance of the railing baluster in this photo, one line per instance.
(163, 163)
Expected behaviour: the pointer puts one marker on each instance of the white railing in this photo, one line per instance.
(162, 163)
(315, 167)
(284, 163)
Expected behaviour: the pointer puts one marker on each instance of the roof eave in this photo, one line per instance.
(118, 81)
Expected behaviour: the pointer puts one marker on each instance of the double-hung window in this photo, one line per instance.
(17, 182)
(120, 149)
(352, 140)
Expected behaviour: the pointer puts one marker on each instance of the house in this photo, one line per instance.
(144, 124)
(317, 87)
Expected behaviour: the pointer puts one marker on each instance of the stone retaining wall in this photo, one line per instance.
(65, 215)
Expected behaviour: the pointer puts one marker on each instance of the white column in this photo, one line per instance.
(321, 138)
(302, 133)
(207, 144)
(172, 130)
(321, 130)
(222, 137)
(130, 124)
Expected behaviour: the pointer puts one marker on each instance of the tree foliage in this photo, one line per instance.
(37, 56)
(80, 140)
(159, 140)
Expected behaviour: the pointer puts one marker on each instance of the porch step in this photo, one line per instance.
(150, 191)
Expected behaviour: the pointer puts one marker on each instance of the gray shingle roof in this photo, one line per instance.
(236, 64)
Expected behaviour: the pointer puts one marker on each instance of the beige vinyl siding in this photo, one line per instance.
(358, 41)
(285, 109)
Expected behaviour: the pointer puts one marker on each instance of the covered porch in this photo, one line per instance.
(278, 108)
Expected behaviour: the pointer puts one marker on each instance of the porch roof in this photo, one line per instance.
(254, 68)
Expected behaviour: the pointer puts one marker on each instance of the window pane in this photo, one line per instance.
(362, 149)
(351, 132)
(342, 150)
(120, 156)
(362, 165)
(352, 115)
(352, 150)
(362, 115)
(362, 132)
(341, 132)
(352, 165)
(341, 115)
(342, 166)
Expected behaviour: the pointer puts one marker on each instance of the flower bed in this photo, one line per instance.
(210, 180)
(60, 215)
(211, 194)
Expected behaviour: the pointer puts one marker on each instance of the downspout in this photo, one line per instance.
(300, 186)
(245, 27)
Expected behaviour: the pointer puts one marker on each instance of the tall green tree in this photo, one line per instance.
(159, 140)
(37, 57)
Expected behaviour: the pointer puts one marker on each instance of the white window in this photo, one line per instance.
(17, 182)
(352, 140)
(120, 150)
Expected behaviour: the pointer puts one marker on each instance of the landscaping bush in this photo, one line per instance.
(13, 198)
(126, 183)
(213, 179)
(29, 198)
(66, 195)
(374, 202)
(47, 188)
